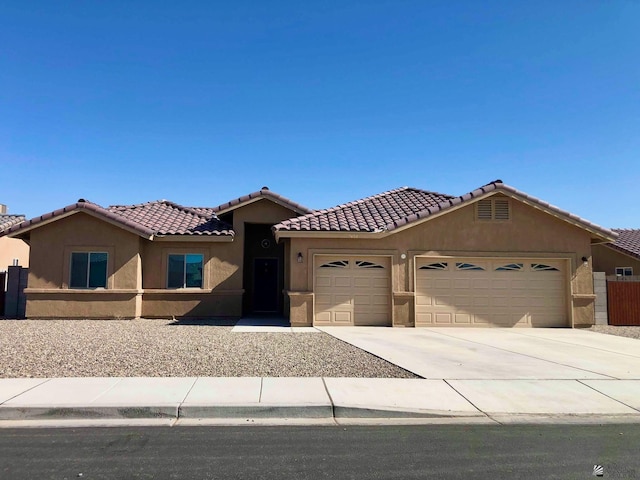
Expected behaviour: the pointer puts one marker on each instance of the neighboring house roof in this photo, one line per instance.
(148, 219)
(8, 220)
(628, 241)
(389, 211)
(263, 193)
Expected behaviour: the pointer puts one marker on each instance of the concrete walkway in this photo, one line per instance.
(470, 376)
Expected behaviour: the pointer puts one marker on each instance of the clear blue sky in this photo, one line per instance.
(324, 102)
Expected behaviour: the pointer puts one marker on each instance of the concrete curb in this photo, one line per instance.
(168, 415)
(255, 411)
(368, 412)
(88, 413)
(222, 412)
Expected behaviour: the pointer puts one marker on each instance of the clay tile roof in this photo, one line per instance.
(7, 221)
(147, 219)
(79, 205)
(628, 241)
(371, 214)
(264, 192)
(396, 208)
(167, 218)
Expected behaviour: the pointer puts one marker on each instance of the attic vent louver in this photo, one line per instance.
(493, 209)
(484, 210)
(501, 209)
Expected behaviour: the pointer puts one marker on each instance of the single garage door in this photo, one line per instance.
(352, 290)
(490, 292)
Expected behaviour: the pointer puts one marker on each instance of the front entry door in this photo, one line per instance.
(265, 286)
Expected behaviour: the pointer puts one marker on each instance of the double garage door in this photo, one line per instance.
(352, 290)
(490, 292)
(504, 292)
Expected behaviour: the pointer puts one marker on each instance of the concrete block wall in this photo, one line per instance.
(600, 289)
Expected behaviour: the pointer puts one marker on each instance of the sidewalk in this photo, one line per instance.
(241, 400)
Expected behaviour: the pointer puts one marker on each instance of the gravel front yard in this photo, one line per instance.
(159, 348)
(631, 332)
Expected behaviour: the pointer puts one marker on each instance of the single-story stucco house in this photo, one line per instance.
(406, 257)
(13, 251)
(620, 258)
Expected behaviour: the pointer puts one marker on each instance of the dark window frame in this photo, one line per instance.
(185, 282)
(88, 280)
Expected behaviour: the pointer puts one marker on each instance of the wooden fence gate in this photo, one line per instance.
(623, 300)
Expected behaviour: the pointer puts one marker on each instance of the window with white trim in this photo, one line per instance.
(493, 209)
(185, 270)
(88, 270)
(624, 271)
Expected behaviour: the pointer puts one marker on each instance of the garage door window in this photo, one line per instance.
(541, 267)
(468, 266)
(336, 264)
(510, 267)
(363, 264)
(435, 266)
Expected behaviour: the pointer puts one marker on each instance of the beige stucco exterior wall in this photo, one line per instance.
(12, 248)
(606, 260)
(48, 293)
(530, 233)
(137, 269)
(223, 269)
(220, 296)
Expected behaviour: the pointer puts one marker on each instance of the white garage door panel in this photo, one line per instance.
(352, 290)
(494, 292)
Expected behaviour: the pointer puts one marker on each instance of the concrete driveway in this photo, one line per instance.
(494, 353)
(513, 374)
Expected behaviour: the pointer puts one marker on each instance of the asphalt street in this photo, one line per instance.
(330, 452)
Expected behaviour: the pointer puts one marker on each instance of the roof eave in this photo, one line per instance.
(23, 231)
(328, 234)
(193, 238)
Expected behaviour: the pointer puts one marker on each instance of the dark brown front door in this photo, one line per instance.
(265, 286)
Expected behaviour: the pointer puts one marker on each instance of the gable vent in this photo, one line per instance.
(484, 210)
(501, 209)
(493, 209)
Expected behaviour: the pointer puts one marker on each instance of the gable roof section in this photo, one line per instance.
(370, 215)
(149, 220)
(390, 211)
(628, 242)
(167, 218)
(8, 220)
(263, 193)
